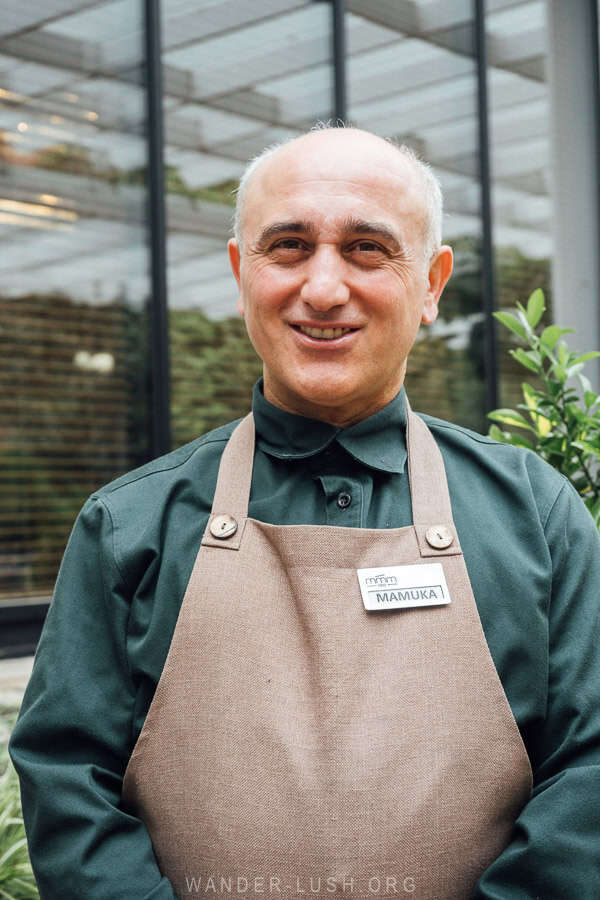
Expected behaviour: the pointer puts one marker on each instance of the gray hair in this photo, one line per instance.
(429, 180)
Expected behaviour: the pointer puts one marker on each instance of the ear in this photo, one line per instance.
(440, 270)
(235, 263)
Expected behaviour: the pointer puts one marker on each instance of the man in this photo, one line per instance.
(264, 670)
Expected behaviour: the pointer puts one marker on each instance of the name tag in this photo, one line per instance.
(400, 587)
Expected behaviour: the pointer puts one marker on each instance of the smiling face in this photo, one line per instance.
(332, 276)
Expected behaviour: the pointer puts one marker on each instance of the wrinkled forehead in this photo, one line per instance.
(335, 177)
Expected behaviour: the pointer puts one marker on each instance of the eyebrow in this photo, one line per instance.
(352, 225)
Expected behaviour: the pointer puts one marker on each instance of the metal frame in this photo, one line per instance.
(488, 273)
(159, 312)
(21, 622)
(595, 36)
(339, 61)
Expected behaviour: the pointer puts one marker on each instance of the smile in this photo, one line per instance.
(323, 333)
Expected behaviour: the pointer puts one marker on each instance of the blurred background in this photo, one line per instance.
(124, 127)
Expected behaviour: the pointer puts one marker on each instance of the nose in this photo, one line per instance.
(324, 284)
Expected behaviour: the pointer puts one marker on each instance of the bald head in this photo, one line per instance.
(346, 146)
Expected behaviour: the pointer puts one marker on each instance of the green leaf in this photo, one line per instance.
(590, 398)
(533, 405)
(559, 373)
(498, 435)
(522, 317)
(574, 369)
(593, 354)
(591, 446)
(532, 397)
(554, 388)
(547, 354)
(563, 353)
(556, 450)
(525, 358)
(594, 508)
(536, 307)
(14, 848)
(509, 417)
(548, 409)
(518, 441)
(512, 323)
(550, 335)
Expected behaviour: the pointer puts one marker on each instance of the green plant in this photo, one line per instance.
(16, 877)
(561, 423)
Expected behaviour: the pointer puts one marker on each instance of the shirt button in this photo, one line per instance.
(344, 500)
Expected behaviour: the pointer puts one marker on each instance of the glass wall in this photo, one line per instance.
(75, 328)
(74, 263)
(238, 77)
(412, 76)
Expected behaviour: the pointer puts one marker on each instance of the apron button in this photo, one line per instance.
(344, 500)
(439, 536)
(223, 526)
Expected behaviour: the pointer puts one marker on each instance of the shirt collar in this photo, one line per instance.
(378, 442)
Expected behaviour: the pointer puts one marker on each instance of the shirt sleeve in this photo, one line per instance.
(72, 740)
(555, 847)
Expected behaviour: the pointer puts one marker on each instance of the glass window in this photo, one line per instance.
(238, 77)
(412, 76)
(73, 271)
(520, 158)
(544, 160)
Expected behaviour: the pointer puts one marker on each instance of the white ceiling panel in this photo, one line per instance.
(102, 22)
(17, 17)
(202, 169)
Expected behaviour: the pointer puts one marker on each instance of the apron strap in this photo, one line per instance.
(232, 493)
(429, 494)
(431, 508)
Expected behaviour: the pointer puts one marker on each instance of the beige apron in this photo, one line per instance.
(298, 744)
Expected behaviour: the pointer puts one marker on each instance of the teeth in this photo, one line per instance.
(325, 333)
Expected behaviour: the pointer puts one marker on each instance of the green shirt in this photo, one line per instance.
(532, 552)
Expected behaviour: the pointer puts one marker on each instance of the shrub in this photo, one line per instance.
(559, 422)
(16, 877)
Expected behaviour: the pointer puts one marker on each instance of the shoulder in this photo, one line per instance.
(477, 462)
(158, 511)
(191, 469)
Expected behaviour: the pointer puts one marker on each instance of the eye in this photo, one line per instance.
(288, 251)
(288, 244)
(367, 251)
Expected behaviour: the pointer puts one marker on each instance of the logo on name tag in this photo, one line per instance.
(398, 587)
